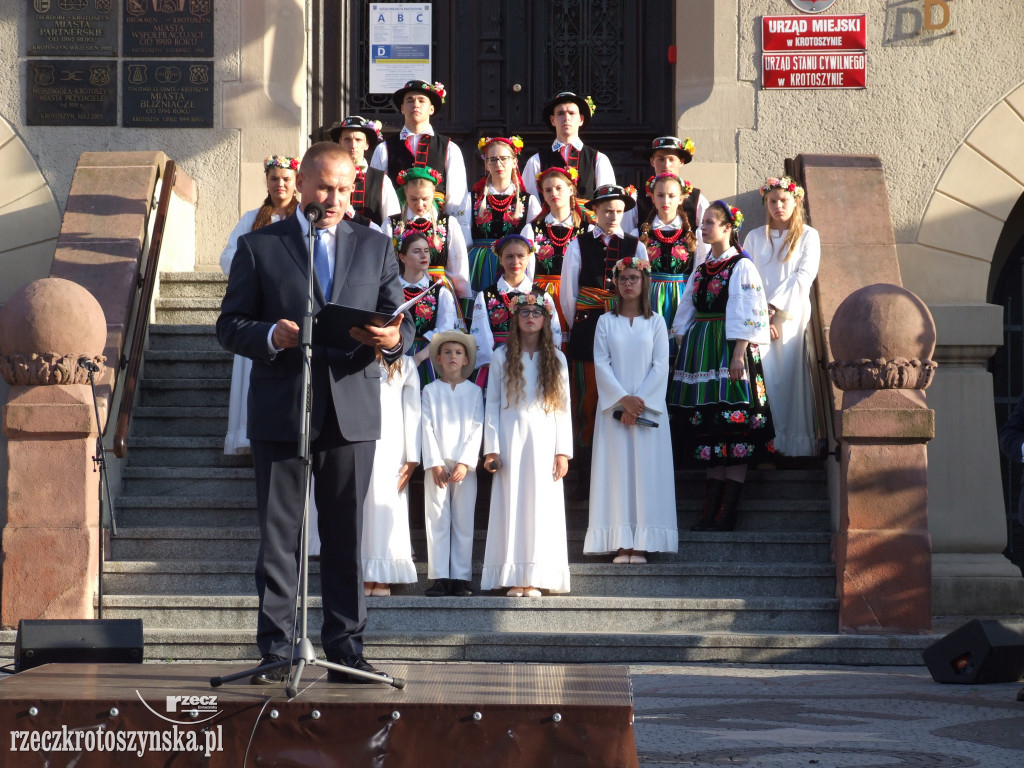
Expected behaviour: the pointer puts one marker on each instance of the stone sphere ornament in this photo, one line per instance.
(46, 327)
(882, 337)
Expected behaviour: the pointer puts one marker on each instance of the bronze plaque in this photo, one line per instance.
(72, 92)
(167, 94)
(72, 28)
(177, 28)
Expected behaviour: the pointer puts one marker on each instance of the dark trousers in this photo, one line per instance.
(342, 472)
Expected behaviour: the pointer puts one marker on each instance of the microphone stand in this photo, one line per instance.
(303, 654)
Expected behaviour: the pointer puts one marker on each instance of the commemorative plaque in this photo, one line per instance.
(161, 28)
(167, 94)
(72, 28)
(72, 92)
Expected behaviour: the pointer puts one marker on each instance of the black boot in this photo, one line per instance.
(713, 488)
(725, 520)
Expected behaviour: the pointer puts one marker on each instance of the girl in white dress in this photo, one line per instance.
(281, 202)
(385, 546)
(527, 447)
(632, 487)
(786, 253)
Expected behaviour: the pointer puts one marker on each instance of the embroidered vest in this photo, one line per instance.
(424, 312)
(366, 195)
(493, 224)
(499, 316)
(551, 241)
(598, 261)
(431, 151)
(584, 161)
(437, 236)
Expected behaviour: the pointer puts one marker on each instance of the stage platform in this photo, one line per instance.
(463, 714)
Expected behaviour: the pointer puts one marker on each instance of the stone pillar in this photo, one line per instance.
(882, 339)
(51, 539)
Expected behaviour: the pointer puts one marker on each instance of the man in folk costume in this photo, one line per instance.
(373, 195)
(668, 154)
(587, 290)
(418, 145)
(567, 113)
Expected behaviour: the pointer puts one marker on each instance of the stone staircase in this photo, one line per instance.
(187, 542)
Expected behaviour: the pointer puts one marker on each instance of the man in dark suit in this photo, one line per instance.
(260, 315)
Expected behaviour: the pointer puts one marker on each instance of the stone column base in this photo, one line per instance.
(975, 585)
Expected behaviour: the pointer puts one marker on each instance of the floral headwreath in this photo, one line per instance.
(419, 172)
(570, 173)
(687, 186)
(514, 142)
(732, 213)
(632, 262)
(520, 300)
(280, 161)
(786, 184)
(498, 244)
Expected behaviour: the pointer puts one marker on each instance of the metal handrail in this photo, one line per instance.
(147, 286)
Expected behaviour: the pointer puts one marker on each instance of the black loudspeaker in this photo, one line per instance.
(977, 652)
(77, 641)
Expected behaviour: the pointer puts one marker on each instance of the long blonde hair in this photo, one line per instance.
(796, 227)
(549, 376)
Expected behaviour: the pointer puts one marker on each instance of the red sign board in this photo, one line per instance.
(814, 69)
(793, 34)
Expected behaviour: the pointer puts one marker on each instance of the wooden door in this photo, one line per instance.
(502, 60)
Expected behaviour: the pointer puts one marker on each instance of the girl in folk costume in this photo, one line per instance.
(786, 252)
(719, 381)
(670, 242)
(386, 548)
(588, 288)
(500, 206)
(561, 220)
(448, 256)
(281, 202)
(436, 311)
(527, 447)
(492, 310)
(632, 490)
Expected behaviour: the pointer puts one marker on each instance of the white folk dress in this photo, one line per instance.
(526, 538)
(787, 286)
(386, 548)
(632, 483)
(235, 441)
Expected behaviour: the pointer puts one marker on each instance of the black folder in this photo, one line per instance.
(331, 325)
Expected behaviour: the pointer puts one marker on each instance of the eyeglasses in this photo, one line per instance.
(628, 279)
(500, 160)
(528, 312)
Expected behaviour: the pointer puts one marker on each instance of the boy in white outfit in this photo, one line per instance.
(453, 415)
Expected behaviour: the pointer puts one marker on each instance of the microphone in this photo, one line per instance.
(87, 364)
(640, 422)
(314, 212)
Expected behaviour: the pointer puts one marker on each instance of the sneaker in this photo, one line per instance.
(438, 589)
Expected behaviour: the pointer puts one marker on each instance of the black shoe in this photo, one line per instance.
(270, 676)
(460, 588)
(438, 589)
(355, 662)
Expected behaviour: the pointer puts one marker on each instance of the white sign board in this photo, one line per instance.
(400, 39)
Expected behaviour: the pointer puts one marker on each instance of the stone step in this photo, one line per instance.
(184, 452)
(159, 543)
(152, 505)
(180, 421)
(239, 645)
(187, 364)
(193, 285)
(564, 613)
(198, 338)
(193, 311)
(187, 481)
(178, 393)
(602, 579)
